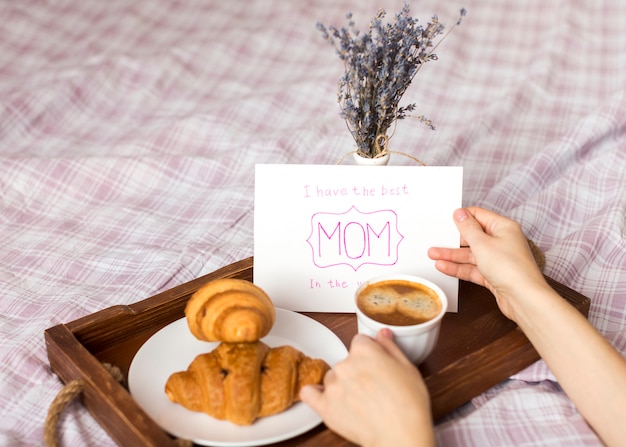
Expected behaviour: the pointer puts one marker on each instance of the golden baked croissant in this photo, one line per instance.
(230, 310)
(242, 379)
(241, 382)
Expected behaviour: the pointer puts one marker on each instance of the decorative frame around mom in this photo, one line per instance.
(320, 231)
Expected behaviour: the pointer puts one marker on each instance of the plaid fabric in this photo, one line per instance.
(129, 130)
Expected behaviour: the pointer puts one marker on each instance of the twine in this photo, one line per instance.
(381, 151)
(381, 138)
(382, 154)
(68, 393)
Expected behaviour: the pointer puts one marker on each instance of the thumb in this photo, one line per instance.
(470, 229)
(384, 337)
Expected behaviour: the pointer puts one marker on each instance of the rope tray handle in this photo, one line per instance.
(68, 393)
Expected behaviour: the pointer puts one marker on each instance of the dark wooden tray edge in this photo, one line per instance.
(110, 404)
(106, 399)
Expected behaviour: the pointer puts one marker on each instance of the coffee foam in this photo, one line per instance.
(399, 302)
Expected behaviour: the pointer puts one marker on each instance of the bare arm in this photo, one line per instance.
(591, 372)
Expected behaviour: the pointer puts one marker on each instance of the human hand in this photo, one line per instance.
(587, 366)
(374, 397)
(494, 253)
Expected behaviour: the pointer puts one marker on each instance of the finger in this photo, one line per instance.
(385, 338)
(312, 396)
(359, 340)
(383, 343)
(488, 220)
(472, 231)
(462, 255)
(329, 377)
(465, 272)
(482, 215)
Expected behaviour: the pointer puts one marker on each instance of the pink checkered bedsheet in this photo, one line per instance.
(129, 131)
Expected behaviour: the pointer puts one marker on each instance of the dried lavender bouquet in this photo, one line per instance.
(379, 66)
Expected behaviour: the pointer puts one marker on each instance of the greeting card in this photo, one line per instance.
(321, 230)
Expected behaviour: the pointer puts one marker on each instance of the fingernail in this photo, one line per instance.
(460, 215)
(386, 332)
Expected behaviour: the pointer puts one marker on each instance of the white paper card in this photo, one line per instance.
(321, 230)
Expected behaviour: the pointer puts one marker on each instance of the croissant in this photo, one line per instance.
(241, 382)
(230, 310)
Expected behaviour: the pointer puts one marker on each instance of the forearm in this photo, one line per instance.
(591, 372)
(495, 254)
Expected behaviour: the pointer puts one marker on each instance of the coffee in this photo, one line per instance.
(399, 302)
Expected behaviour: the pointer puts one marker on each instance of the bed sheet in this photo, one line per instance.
(129, 131)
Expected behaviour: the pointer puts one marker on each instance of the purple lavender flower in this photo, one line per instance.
(380, 64)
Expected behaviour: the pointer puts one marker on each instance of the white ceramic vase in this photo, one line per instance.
(364, 161)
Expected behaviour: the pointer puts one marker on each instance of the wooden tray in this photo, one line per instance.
(478, 348)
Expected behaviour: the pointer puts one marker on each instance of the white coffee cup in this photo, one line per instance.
(415, 298)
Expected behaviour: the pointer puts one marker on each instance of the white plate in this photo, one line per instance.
(174, 347)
